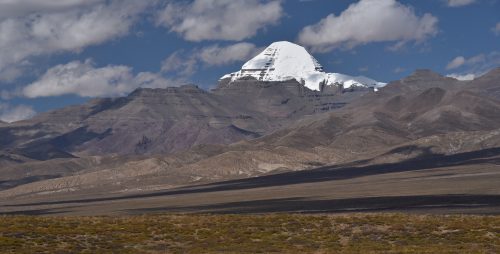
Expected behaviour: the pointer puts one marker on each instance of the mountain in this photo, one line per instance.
(282, 61)
(281, 120)
(159, 121)
(146, 121)
(423, 119)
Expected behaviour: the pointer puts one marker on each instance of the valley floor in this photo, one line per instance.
(271, 233)
(464, 186)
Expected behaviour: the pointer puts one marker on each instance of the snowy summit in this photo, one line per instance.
(284, 60)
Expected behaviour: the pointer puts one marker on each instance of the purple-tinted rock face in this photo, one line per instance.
(159, 121)
(160, 138)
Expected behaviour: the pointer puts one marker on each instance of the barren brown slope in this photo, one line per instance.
(423, 115)
(160, 121)
(459, 183)
(154, 122)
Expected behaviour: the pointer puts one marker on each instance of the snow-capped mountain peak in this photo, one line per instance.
(284, 60)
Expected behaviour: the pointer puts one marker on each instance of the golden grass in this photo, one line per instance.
(272, 233)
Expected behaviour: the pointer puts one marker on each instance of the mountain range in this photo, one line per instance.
(281, 118)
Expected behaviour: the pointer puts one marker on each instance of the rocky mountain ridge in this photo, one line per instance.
(283, 60)
(158, 121)
(424, 116)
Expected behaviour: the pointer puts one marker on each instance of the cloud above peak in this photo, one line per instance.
(456, 62)
(217, 55)
(369, 21)
(231, 20)
(184, 63)
(473, 66)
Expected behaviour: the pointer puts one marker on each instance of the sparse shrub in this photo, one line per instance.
(272, 233)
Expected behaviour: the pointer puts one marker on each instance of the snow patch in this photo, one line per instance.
(284, 60)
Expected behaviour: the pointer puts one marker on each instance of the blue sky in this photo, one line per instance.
(57, 53)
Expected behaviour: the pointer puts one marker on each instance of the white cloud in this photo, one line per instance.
(186, 63)
(496, 29)
(10, 73)
(84, 79)
(399, 70)
(11, 93)
(10, 113)
(152, 80)
(31, 28)
(18, 8)
(369, 21)
(220, 19)
(463, 77)
(479, 62)
(216, 55)
(363, 69)
(458, 3)
(181, 63)
(455, 63)
(477, 65)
